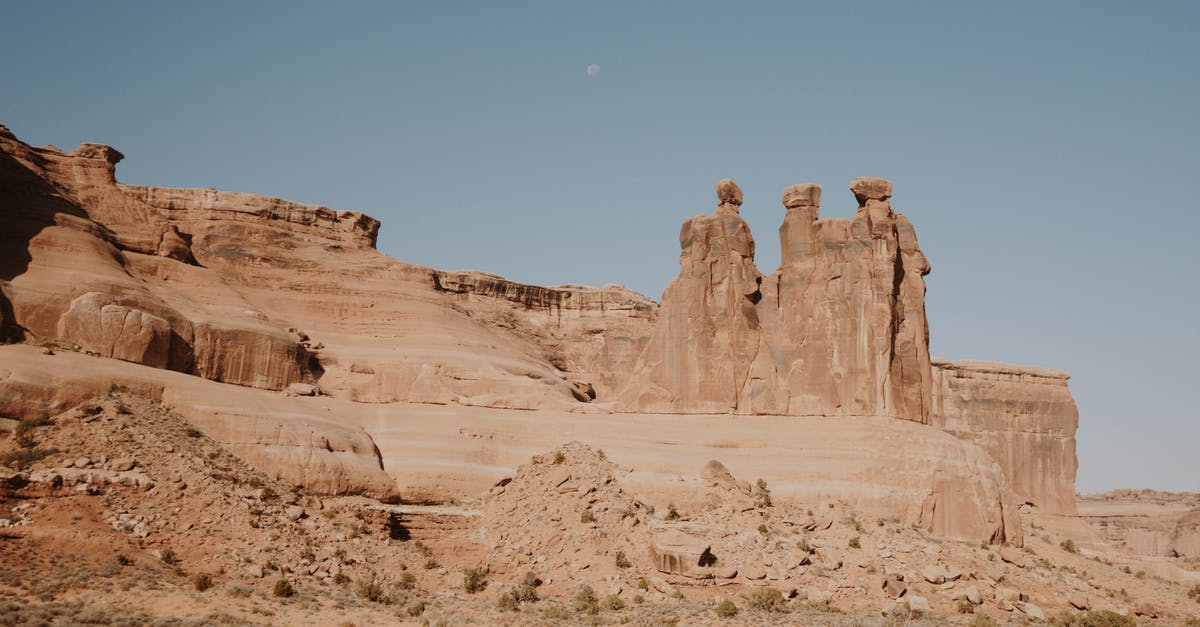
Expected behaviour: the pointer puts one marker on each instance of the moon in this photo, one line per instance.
(593, 69)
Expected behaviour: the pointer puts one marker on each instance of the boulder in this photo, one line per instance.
(679, 553)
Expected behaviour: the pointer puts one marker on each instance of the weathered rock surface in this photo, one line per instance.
(1148, 522)
(839, 329)
(708, 332)
(1024, 417)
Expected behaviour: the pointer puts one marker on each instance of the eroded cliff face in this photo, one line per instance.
(1148, 522)
(838, 329)
(1024, 417)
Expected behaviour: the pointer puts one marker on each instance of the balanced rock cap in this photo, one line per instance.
(803, 195)
(866, 188)
(729, 193)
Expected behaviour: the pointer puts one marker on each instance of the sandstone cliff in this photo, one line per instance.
(838, 329)
(1024, 417)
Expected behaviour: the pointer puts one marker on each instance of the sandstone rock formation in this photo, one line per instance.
(838, 329)
(1148, 522)
(708, 332)
(1024, 417)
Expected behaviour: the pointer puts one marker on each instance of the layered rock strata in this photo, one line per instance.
(1024, 417)
(838, 329)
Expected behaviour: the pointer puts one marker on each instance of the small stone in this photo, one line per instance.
(1079, 601)
(1013, 556)
(302, 389)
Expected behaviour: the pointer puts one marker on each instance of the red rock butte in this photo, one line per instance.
(820, 372)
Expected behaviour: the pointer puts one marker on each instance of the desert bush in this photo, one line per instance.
(762, 496)
(982, 620)
(1068, 545)
(556, 612)
(804, 546)
(762, 528)
(586, 516)
(855, 543)
(370, 589)
(202, 581)
(506, 603)
(768, 600)
(1194, 593)
(168, 557)
(527, 592)
(622, 561)
(24, 457)
(672, 513)
(643, 585)
(586, 601)
(341, 579)
(283, 589)
(124, 560)
(727, 609)
(1093, 618)
(613, 602)
(965, 607)
(416, 609)
(407, 581)
(431, 564)
(559, 457)
(474, 580)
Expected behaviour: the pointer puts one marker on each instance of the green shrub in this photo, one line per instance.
(407, 581)
(474, 580)
(643, 585)
(1068, 545)
(672, 513)
(855, 543)
(283, 589)
(586, 601)
(622, 561)
(727, 609)
(559, 457)
(762, 528)
(768, 600)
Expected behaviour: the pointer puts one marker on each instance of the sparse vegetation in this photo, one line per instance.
(672, 513)
(622, 561)
(762, 496)
(559, 457)
(370, 589)
(407, 581)
(24, 457)
(168, 557)
(1068, 545)
(1194, 593)
(527, 592)
(762, 528)
(283, 588)
(982, 620)
(202, 581)
(1093, 618)
(416, 609)
(643, 585)
(768, 600)
(855, 543)
(586, 601)
(341, 579)
(965, 607)
(613, 603)
(124, 560)
(431, 564)
(474, 580)
(587, 517)
(507, 603)
(727, 609)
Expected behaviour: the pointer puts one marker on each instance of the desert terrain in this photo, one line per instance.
(219, 407)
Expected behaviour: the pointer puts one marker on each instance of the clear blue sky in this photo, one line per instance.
(1046, 151)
